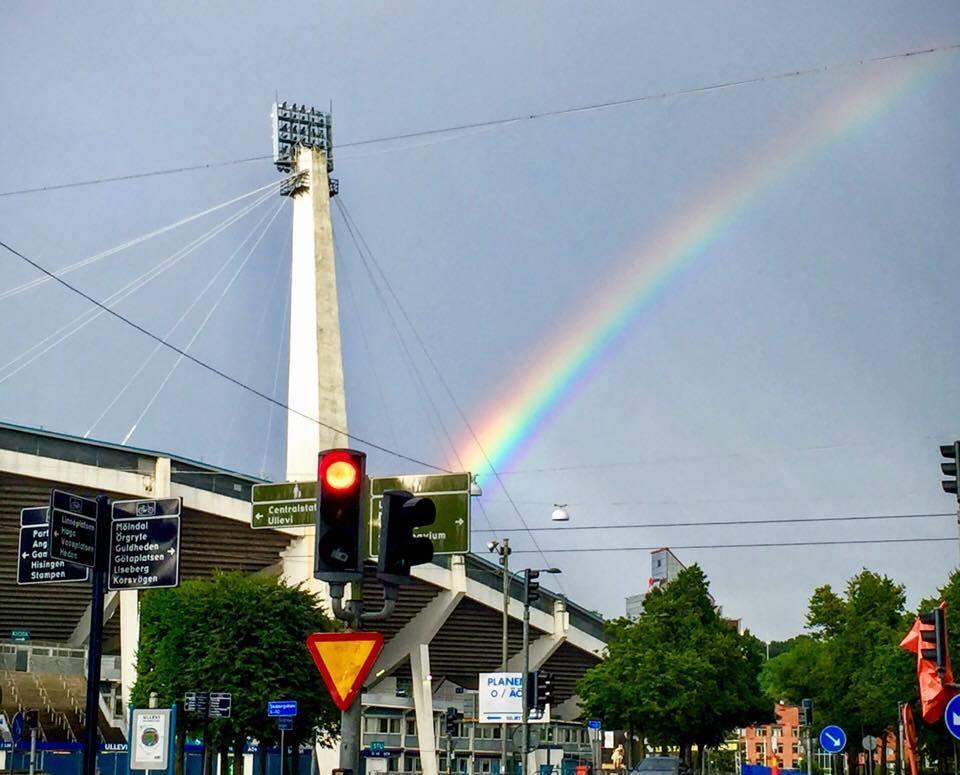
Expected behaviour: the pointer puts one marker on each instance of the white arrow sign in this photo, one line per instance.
(832, 739)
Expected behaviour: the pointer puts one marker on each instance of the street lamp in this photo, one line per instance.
(531, 591)
(560, 513)
(475, 490)
(502, 548)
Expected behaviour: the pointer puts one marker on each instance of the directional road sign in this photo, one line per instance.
(286, 504)
(73, 522)
(144, 544)
(196, 702)
(450, 493)
(34, 565)
(20, 636)
(833, 739)
(281, 708)
(951, 716)
(220, 704)
(285, 723)
(344, 659)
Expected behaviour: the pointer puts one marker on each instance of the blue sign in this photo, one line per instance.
(833, 739)
(285, 723)
(16, 727)
(281, 708)
(951, 717)
(594, 723)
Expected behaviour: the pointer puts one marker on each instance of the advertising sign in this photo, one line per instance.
(501, 697)
(151, 739)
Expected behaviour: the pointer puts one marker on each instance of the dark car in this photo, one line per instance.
(657, 765)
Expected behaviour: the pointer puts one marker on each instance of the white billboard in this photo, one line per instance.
(501, 697)
(151, 739)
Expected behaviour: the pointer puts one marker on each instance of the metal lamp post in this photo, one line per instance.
(529, 575)
(502, 548)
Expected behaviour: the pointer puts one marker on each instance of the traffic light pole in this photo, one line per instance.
(95, 642)
(505, 649)
(526, 677)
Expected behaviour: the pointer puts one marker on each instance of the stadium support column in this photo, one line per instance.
(315, 387)
(423, 705)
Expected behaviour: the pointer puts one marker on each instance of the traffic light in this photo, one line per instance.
(400, 549)
(543, 689)
(952, 453)
(31, 719)
(341, 485)
(451, 722)
(806, 712)
(531, 587)
(933, 629)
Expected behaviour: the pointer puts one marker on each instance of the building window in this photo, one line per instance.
(796, 749)
(411, 726)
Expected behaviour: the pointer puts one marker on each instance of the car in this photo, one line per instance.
(657, 765)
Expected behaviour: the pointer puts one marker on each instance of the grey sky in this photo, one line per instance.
(806, 366)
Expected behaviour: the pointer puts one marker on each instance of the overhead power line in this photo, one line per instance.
(213, 369)
(503, 121)
(728, 522)
(758, 545)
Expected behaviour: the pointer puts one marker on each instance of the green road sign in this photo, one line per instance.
(20, 636)
(287, 504)
(450, 532)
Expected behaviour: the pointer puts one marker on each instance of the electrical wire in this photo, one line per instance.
(213, 369)
(721, 85)
(344, 211)
(766, 545)
(730, 522)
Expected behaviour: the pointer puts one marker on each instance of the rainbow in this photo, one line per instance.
(525, 407)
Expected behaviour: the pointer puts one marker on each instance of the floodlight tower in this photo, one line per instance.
(303, 149)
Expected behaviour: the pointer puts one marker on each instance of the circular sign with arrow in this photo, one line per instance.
(833, 739)
(951, 717)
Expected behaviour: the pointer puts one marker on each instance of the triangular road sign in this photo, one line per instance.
(344, 660)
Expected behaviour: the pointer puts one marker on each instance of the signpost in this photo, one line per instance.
(501, 697)
(144, 544)
(220, 704)
(281, 708)
(73, 522)
(593, 723)
(450, 493)
(286, 504)
(951, 716)
(833, 739)
(34, 565)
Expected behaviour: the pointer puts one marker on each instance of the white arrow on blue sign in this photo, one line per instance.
(281, 708)
(833, 739)
(951, 716)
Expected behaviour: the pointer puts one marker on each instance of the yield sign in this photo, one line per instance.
(344, 660)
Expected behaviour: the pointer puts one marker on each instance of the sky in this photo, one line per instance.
(727, 304)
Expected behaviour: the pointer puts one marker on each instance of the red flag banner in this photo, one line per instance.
(909, 738)
(934, 696)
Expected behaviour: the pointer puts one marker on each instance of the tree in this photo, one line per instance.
(240, 634)
(679, 674)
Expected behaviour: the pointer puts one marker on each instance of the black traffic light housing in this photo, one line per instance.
(952, 453)
(933, 629)
(531, 586)
(31, 719)
(806, 712)
(341, 498)
(400, 549)
(451, 720)
(543, 689)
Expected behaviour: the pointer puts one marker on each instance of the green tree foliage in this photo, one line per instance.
(679, 674)
(851, 663)
(241, 634)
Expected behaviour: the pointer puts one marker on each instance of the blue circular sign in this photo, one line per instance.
(951, 717)
(833, 739)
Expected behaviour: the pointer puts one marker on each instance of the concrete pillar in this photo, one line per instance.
(423, 706)
(130, 603)
(316, 368)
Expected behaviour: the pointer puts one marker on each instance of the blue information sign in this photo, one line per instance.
(281, 708)
(594, 723)
(833, 739)
(951, 717)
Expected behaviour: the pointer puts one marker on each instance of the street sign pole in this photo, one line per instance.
(95, 643)
(283, 748)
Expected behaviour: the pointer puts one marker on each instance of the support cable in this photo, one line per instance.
(213, 308)
(196, 300)
(213, 369)
(85, 318)
(276, 382)
(443, 382)
(137, 240)
(758, 545)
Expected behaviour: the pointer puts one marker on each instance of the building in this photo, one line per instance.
(778, 743)
(665, 566)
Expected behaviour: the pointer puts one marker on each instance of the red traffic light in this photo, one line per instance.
(339, 471)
